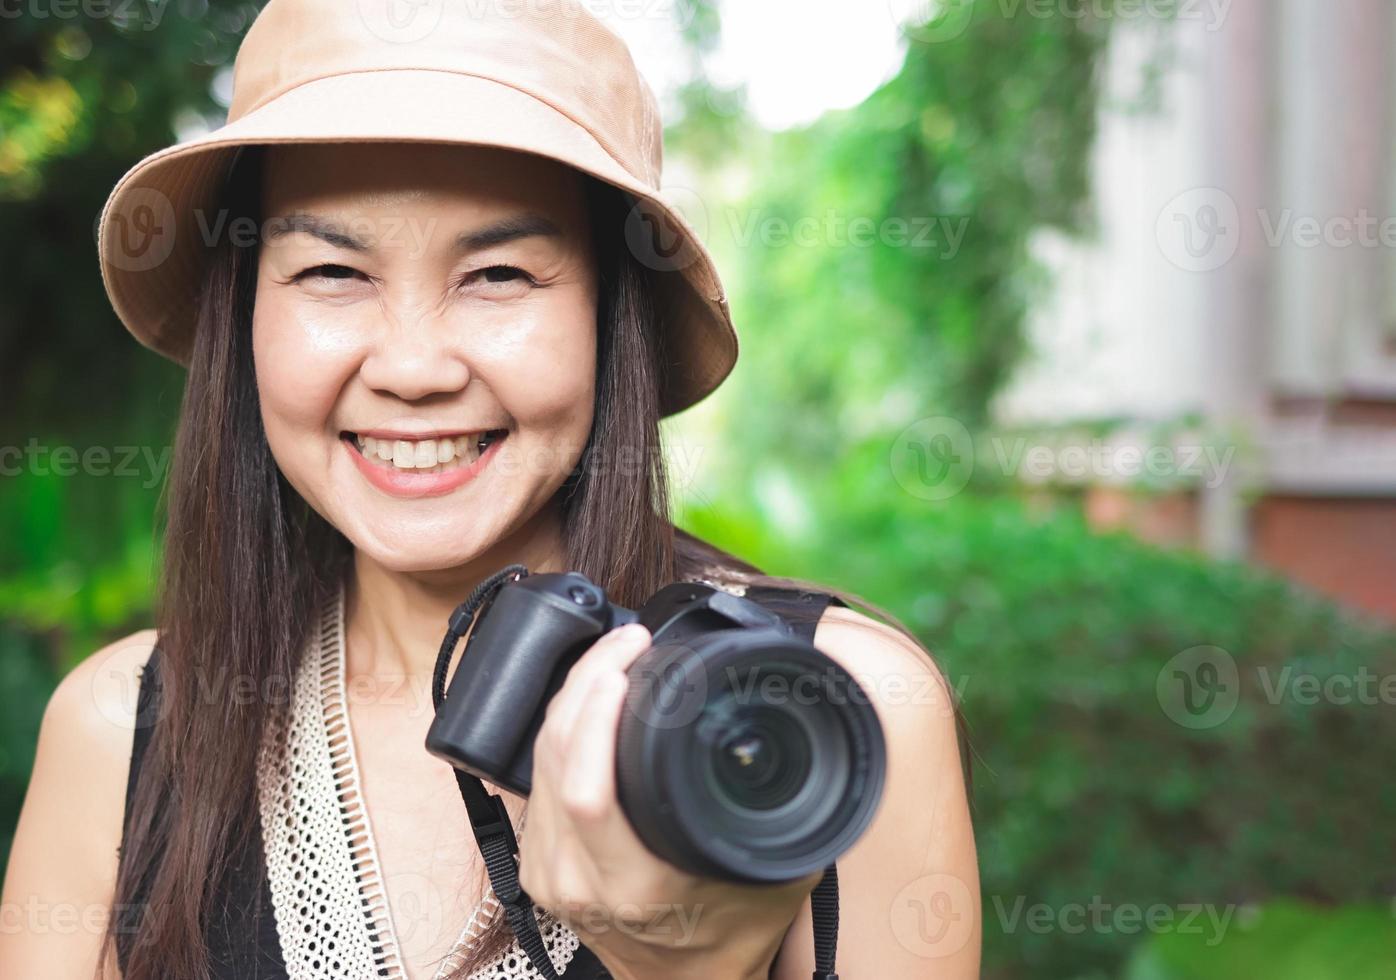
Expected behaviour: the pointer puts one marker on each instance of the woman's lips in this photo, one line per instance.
(407, 484)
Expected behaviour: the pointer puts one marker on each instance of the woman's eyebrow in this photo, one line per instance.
(526, 224)
(312, 224)
(523, 225)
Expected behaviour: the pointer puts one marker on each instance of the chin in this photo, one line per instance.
(426, 550)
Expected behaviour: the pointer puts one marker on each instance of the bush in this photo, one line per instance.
(1283, 941)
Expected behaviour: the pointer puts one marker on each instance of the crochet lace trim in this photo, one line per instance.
(327, 888)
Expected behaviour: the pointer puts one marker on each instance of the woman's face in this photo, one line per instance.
(425, 340)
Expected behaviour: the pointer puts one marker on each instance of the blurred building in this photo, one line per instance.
(1239, 297)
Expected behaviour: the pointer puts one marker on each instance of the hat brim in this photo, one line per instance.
(153, 238)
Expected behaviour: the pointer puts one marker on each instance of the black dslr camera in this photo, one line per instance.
(743, 752)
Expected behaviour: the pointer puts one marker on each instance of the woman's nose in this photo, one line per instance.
(413, 359)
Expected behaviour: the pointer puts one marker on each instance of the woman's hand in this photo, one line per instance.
(581, 859)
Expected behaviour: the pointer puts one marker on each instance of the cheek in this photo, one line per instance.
(300, 369)
(544, 371)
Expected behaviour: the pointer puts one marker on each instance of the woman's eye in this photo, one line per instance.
(328, 271)
(501, 275)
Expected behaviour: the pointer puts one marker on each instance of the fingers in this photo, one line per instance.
(615, 650)
(588, 775)
(612, 654)
(574, 756)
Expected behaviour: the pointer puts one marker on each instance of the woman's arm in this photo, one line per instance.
(909, 889)
(62, 867)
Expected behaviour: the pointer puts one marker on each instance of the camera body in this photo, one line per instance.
(743, 752)
(523, 644)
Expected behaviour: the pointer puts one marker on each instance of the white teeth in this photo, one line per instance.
(423, 456)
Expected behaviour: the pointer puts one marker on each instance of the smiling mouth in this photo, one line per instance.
(424, 455)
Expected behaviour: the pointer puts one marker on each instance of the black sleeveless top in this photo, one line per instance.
(241, 934)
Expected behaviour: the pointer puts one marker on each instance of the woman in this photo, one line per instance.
(429, 333)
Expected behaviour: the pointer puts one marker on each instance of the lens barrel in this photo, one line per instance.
(747, 755)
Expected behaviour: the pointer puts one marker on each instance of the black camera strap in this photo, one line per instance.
(489, 820)
(499, 847)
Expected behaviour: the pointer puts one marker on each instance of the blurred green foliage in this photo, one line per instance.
(909, 220)
(1055, 636)
(1283, 941)
(82, 98)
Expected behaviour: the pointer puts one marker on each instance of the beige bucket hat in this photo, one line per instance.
(540, 76)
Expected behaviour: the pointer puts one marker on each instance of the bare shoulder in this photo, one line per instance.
(65, 847)
(895, 669)
(97, 698)
(86, 736)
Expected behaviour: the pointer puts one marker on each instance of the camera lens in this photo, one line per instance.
(761, 759)
(774, 772)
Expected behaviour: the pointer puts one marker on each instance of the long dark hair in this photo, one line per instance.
(247, 562)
